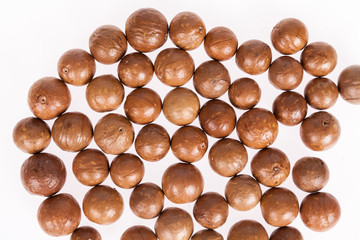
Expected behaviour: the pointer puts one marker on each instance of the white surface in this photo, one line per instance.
(34, 34)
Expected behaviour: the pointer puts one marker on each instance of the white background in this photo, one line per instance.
(34, 34)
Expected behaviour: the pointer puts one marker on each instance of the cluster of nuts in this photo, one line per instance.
(146, 30)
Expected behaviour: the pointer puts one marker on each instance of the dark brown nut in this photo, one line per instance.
(220, 43)
(138, 232)
(152, 142)
(104, 93)
(321, 93)
(59, 215)
(181, 106)
(244, 93)
(253, 57)
(320, 211)
(320, 131)
(43, 174)
(217, 118)
(108, 44)
(187, 30)
(182, 183)
(174, 67)
(349, 84)
(270, 167)
(146, 29)
(286, 233)
(114, 134)
(279, 206)
(285, 73)
(319, 59)
(48, 97)
(90, 167)
(127, 170)
(189, 144)
(85, 233)
(289, 36)
(135, 70)
(175, 224)
(103, 205)
(146, 200)
(31, 135)
(290, 108)
(227, 157)
(76, 67)
(72, 131)
(247, 230)
(211, 210)
(257, 128)
(142, 105)
(310, 174)
(207, 234)
(211, 79)
(243, 192)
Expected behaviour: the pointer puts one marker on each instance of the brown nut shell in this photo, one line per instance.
(31, 135)
(85, 233)
(349, 84)
(187, 30)
(189, 144)
(310, 174)
(127, 170)
(146, 200)
(217, 118)
(227, 157)
(253, 57)
(108, 44)
(174, 67)
(142, 105)
(243, 192)
(220, 43)
(59, 215)
(285, 73)
(207, 234)
(289, 36)
(270, 167)
(90, 167)
(72, 131)
(211, 79)
(43, 174)
(286, 233)
(319, 59)
(152, 142)
(146, 29)
(181, 106)
(257, 128)
(138, 232)
(279, 206)
(247, 230)
(76, 67)
(244, 93)
(211, 210)
(104, 93)
(103, 205)
(135, 70)
(320, 131)
(182, 183)
(290, 108)
(48, 97)
(321, 93)
(175, 224)
(320, 211)
(114, 134)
